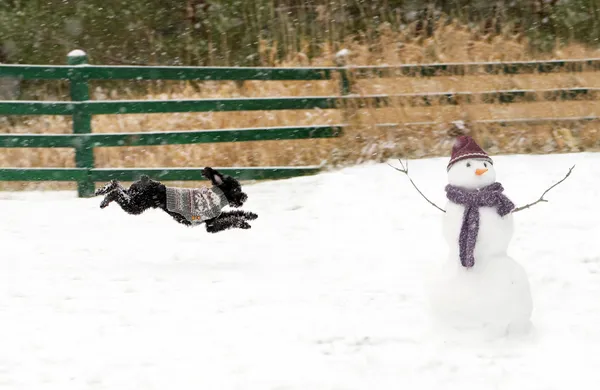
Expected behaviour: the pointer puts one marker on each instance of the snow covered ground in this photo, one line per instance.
(325, 292)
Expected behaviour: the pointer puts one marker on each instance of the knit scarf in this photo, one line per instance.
(196, 204)
(489, 196)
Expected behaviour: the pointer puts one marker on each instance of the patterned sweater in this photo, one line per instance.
(196, 204)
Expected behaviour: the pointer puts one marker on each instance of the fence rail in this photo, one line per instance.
(131, 174)
(82, 109)
(159, 138)
(488, 68)
(121, 72)
(501, 122)
(116, 107)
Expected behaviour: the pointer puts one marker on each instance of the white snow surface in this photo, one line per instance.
(326, 291)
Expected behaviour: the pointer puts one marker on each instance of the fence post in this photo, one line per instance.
(82, 121)
(341, 59)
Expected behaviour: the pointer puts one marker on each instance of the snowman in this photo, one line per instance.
(480, 286)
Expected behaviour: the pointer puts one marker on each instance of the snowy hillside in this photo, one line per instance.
(325, 292)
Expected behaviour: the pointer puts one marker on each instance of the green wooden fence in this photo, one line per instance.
(81, 108)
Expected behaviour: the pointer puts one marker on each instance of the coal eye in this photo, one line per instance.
(485, 165)
(468, 165)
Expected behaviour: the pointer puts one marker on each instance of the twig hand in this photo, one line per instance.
(405, 171)
(541, 199)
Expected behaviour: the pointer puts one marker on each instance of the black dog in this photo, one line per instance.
(146, 193)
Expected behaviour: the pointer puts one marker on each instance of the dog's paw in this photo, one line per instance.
(250, 216)
(238, 225)
(212, 229)
(105, 202)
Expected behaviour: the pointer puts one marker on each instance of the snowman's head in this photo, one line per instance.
(472, 173)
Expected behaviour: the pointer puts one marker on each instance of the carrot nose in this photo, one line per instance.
(480, 172)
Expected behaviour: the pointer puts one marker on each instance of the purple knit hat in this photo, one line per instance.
(465, 147)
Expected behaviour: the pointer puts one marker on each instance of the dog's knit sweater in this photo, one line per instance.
(196, 204)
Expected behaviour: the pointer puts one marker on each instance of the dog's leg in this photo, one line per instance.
(221, 223)
(138, 199)
(141, 195)
(246, 215)
(121, 197)
(226, 224)
(131, 204)
(179, 218)
(230, 220)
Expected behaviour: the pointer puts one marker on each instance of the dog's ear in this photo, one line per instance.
(215, 177)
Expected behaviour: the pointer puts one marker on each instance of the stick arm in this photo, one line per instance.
(405, 171)
(541, 199)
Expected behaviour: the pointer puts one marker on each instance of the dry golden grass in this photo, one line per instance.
(363, 139)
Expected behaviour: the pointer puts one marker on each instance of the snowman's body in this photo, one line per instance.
(494, 293)
(495, 232)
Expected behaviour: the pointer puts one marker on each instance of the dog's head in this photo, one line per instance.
(230, 186)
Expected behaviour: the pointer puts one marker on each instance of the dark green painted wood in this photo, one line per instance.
(537, 121)
(38, 140)
(82, 123)
(99, 72)
(36, 72)
(345, 84)
(160, 106)
(330, 102)
(177, 174)
(291, 103)
(43, 174)
(490, 68)
(204, 105)
(455, 98)
(213, 136)
(500, 122)
(163, 174)
(12, 107)
(204, 73)
(168, 138)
